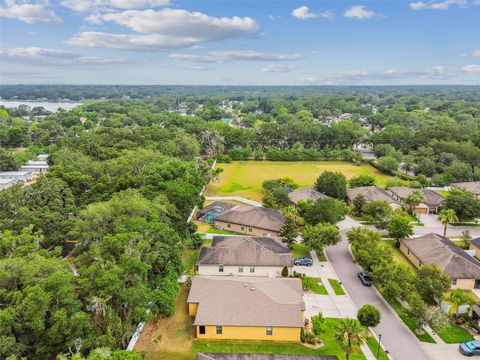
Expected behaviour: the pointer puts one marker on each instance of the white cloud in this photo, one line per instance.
(437, 5)
(368, 76)
(55, 57)
(303, 13)
(277, 68)
(108, 5)
(327, 14)
(28, 13)
(473, 53)
(165, 29)
(232, 55)
(359, 12)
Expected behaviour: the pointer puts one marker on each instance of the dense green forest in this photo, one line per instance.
(93, 247)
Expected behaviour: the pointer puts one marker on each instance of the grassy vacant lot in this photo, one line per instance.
(173, 339)
(245, 178)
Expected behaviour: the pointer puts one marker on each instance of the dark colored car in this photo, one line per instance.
(365, 278)
(470, 348)
(303, 261)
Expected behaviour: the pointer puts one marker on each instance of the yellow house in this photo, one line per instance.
(437, 249)
(247, 308)
(475, 245)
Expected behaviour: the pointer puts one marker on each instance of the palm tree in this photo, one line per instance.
(456, 298)
(412, 200)
(350, 334)
(447, 216)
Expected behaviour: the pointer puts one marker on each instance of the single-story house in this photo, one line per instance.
(437, 249)
(431, 200)
(471, 186)
(228, 356)
(373, 193)
(298, 195)
(211, 211)
(6, 183)
(38, 167)
(475, 245)
(17, 175)
(245, 256)
(251, 220)
(241, 308)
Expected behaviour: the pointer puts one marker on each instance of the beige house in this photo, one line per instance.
(471, 186)
(251, 220)
(437, 249)
(298, 195)
(431, 200)
(373, 193)
(245, 256)
(242, 308)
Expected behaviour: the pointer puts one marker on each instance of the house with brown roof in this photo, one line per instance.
(251, 220)
(245, 256)
(298, 195)
(437, 249)
(373, 193)
(431, 200)
(242, 308)
(471, 186)
(211, 211)
(475, 246)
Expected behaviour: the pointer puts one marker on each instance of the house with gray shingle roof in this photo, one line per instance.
(251, 220)
(245, 256)
(298, 195)
(431, 200)
(243, 308)
(436, 249)
(471, 186)
(373, 193)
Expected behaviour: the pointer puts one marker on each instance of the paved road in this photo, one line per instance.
(397, 339)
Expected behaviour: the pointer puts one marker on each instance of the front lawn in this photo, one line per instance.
(397, 254)
(315, 285)
(337, 287)
(299, 251)
(245, 178)
(411, 323)
(374, 347)
(453, 334)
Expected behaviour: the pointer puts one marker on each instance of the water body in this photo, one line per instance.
(48, 105)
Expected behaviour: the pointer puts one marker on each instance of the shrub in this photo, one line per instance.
(361, 180)
(368, 315)
(285, 271)
(333, 184)
(318, 324)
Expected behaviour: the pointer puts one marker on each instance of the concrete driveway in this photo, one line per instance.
(396, 337)
(331, 306)
(444, 351)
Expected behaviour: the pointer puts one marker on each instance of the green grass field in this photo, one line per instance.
(373, 345)
(336, 286)
(397, 254)
(453, 334)
(245, 178)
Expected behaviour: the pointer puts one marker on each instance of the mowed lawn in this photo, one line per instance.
(245, 178)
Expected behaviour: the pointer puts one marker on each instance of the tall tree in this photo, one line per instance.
(351, 335)
(333, 184)
(447, 216)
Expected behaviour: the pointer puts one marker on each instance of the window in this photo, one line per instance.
(252, 269)
(219, 330)
(240, 269)
(250, 229)
(201, 330)
(408, 251)
(242, 227)
(454, 281)
(269, 330)
(220, 268)
(228, 225)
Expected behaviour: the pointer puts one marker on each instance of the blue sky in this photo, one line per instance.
(250, 42)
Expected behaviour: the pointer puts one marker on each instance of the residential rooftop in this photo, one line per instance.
(254, 216)
(437, 249)
(246, 301)
(472, 186)
(371, 193)
(430, 197)
(305, 194)
(245, 251)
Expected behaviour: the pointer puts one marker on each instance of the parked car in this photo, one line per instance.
(304, 261)
(470, 348)
(365, 278)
